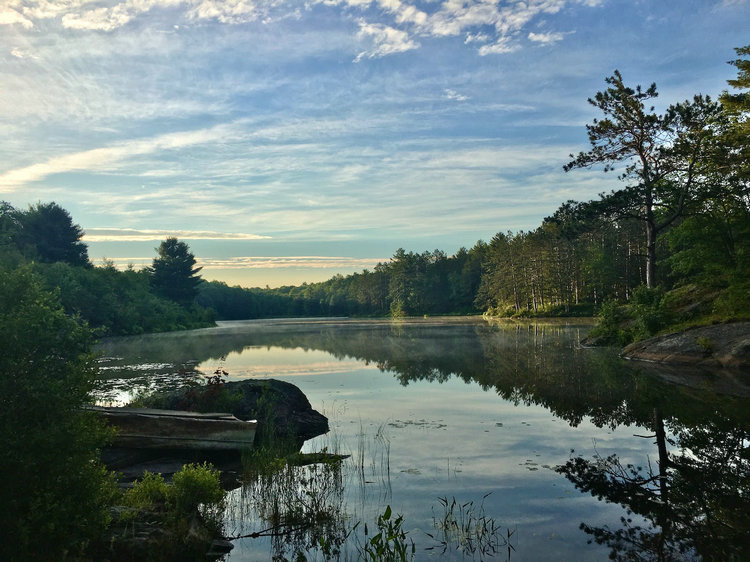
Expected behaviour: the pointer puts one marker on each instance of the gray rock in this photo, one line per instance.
(720, 345)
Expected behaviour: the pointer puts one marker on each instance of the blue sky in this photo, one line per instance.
(290, 141)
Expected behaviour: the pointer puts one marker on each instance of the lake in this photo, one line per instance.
(492, 440)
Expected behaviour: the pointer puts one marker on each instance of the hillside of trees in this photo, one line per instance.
(45, 241)
(673, 239)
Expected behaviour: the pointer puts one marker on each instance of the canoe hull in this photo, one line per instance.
(145, 428)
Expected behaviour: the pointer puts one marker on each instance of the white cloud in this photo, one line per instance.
(501, 46)
(22, 54)
(10, 16)
(226, 11)
(400, 23)
(454, 95)
(477, 38)
(133, 235)
(266, 262)
(385, 40)
(546, 38)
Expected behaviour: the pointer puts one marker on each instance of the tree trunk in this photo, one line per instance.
(650, 243)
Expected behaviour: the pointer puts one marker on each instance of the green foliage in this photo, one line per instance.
(213, 396)
(409, 284)
(55, 493)
(197, 487)
(183, 517)
(116, 302)
(390, 543)
(610, 327)
(150, 493)
(47, 233)
(648, 311)
(173, 273)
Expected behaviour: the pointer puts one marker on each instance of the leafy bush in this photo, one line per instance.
(609, 330)
(55, 493)
(648, 311)
(149, 493)
(196, 486)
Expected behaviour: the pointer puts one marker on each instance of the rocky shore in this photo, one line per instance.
(716, 346)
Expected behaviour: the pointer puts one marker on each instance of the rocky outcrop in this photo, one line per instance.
(719, 345)
(282, 410)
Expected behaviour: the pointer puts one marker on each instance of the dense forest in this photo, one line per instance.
(679, 224)
(45, 240)
(677, 228)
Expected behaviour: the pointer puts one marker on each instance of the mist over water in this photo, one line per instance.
(462, 408)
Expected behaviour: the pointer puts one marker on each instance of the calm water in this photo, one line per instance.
(517, 419)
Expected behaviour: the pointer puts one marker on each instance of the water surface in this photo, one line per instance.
(518, 419)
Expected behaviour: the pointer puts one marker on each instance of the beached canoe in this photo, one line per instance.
(148, 428)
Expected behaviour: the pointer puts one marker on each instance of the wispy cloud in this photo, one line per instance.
(107, 158)
(400, 23)
(23, 54)
(133, 235)
(546, 38)
(454, 95)
(266, 262)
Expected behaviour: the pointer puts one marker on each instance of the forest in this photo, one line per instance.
(676, 232)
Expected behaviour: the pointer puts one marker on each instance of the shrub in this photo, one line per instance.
(55, 493)
(648, 310)
(149, 493)
(197, 487)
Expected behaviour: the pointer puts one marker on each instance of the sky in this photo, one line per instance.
(289, 141)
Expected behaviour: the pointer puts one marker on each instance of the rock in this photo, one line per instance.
(719, 345)
(282, 410)
(278, 405)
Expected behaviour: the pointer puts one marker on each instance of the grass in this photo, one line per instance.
(466, 528)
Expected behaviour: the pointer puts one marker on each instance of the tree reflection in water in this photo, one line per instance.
(691, 500)
(300, 507)
(694, 503)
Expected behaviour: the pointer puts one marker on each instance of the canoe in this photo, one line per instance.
(149, 428)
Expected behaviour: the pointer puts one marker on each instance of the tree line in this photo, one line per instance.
(681, 218)
(44, 240)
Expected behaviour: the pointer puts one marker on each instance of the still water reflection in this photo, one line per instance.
(582, 454)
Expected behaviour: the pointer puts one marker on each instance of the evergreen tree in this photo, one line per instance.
(661, 154)
(173, 273)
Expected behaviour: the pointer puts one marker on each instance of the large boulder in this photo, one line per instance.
(282, 410)
(719, 345)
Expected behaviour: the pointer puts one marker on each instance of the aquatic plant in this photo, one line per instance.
(466, 528)
(390, 543)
